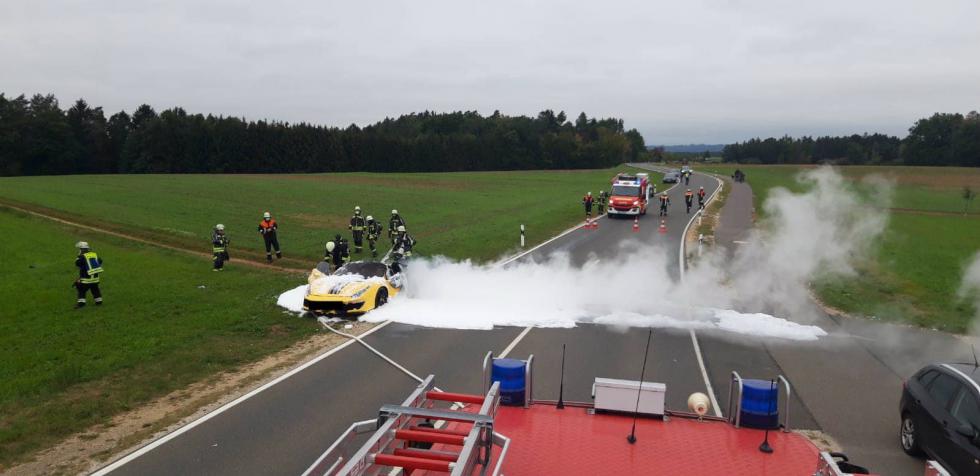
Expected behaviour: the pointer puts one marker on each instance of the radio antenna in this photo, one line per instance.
(639, 390)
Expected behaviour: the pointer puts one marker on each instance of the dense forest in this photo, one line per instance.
(37, 137)
(943, 139)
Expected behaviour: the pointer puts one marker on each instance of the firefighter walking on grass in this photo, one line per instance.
(89, 266)
(689, 200)
(219, 247)
(587, 202)
(373, 234)
(270, 231)
(394, 222)
(357, 227)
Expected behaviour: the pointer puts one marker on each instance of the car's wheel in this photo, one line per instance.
(380, 298)
(909, 436)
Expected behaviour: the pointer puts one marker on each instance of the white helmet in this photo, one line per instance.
(82, 245)
(330, 246)
(590, 194)
(401, 228)
(267, 215)
(394, 212)
(357, 209)
(370, 218)
(219, 227)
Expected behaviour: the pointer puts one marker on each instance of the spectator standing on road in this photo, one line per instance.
(357, 227)
(219, 247)
(269, 230)
(89, 266)
(701, 198)
(587, 201)
(664, 203)
(394, 222)
(689, 200)
(373, 234)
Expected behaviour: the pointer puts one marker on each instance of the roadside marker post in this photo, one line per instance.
(700, 242)
(522, 235)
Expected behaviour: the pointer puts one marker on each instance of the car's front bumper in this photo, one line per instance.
(624, 211)
(335, 307)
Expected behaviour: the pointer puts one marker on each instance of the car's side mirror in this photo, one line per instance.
(966, 430)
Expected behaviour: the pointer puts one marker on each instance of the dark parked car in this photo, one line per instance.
(941, 416)
(673, 176)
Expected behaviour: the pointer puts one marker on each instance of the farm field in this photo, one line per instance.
(461, 215)
(168, 320)
(916, 269)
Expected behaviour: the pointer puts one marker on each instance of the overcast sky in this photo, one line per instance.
(680, 72)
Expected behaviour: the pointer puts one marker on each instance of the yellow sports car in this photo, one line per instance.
(353, 289)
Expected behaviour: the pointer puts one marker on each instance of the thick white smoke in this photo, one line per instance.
(820, 231)
(970, 289)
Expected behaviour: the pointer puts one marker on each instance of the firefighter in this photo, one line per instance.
(689, 200)
(701, 198)
(687, 177)
(340, 254)
(403, 244)
(328, 254)
(664, 203)
(393, 223)
(357, 227)
(219, 247)
(269, 230)
(373, 234)
(89, 266)
(587, 201)
(602, 202)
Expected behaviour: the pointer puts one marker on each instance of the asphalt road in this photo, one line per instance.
(847, 385)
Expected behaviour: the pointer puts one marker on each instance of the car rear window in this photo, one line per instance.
(926, 378)
(943, 388)
(966, 409)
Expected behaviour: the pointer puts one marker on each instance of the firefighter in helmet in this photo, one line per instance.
(89, 266)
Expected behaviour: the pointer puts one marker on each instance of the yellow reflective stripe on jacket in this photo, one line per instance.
(92, 266)
(218, 250)
(92, 280)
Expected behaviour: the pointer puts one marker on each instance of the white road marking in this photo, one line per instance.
(514, 342)
(694, 337)
(169, 436)
(704, 373)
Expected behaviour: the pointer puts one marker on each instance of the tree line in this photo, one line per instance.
(943, 139)
(37, 137)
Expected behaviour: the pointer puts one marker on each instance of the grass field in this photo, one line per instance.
(921, 257)
(168, 320)
(461, 215)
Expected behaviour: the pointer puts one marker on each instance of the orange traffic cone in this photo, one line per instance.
(595, 224)
(588, 223)
(636, 224)
(663, 227)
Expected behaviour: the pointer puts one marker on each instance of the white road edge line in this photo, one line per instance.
(704, 374)
(694, 337)
(169, 436)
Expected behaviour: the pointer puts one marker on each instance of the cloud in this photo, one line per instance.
(679, 72)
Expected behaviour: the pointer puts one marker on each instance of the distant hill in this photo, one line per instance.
(691, 147)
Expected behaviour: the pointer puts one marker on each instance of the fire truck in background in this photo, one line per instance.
(629, 195)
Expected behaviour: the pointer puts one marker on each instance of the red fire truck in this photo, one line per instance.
(629, 195)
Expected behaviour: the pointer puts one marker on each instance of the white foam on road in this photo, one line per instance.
(763, 291)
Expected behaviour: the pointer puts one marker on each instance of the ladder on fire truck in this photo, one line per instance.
(404, 435)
